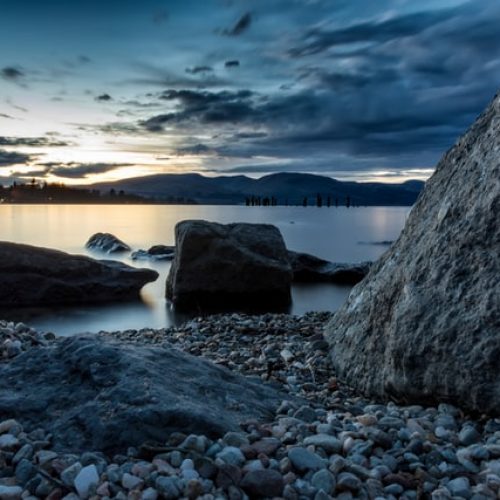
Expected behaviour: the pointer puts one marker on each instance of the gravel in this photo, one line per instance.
(338, 445)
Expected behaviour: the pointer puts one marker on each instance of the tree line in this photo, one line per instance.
(44, 192)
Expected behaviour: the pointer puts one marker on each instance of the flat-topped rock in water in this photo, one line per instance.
(156, 252)
(98, 394)
(425, 323)
(229, 265)
(310, 269)
(33, 276)
(106, 242)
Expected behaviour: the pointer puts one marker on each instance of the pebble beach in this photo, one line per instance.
(325, 442)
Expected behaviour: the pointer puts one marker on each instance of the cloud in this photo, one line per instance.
(12, 73)
(198, 69)
(9, 158)
(203, 106)
(32, 142)
(103, 98)
(232, 64)
(75, 170)
(195, 150)
(374, 31)
(153, 75)
(7, 117)
(242, 25)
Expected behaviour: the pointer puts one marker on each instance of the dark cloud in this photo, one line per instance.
(318, 40)
(12, 73)
(111, 128)
(103, 98)
(240, 27)
(250, 135)
(194, 150)
(152, 75)
(32, 142)
(204, 107)
(36, 172)
(8, 117)
(198, 69)
(9, 158)
(75, 170)
(232, 64)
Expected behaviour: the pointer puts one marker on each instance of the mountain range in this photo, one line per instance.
(283, 188)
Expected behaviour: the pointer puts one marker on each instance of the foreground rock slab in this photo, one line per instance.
(96, 394)
(106, 242)
(229, 265)
(33, 276)
(425, 324)
(311, 269)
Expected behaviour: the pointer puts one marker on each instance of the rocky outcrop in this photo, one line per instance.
(96, 394)
(156, 252)
(425, 323)
(106, 242)
(310, 269)
(32, 276)
(229, 265)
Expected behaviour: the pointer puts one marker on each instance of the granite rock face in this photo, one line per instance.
(106, 242)
(229, 265)
(311, 269)
(97, 394)
(33, 276)
(424, 325)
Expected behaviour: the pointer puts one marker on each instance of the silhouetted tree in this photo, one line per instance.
(329, 201)
(348, 201)
(304, 201)
(319, 200)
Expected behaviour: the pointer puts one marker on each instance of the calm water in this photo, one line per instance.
(336, 234)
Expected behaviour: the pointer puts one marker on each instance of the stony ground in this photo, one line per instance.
(336, 445)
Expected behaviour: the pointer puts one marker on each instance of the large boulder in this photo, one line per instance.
(94, 393)
(311, 269)
(229, 265)
(424, 325)
(32, 276)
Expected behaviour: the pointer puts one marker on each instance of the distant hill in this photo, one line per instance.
(284, 188)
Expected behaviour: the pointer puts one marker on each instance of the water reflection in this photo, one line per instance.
(330, 233)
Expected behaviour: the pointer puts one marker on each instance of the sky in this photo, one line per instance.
(101, 90)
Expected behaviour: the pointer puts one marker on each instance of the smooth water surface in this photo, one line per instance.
(336, 234)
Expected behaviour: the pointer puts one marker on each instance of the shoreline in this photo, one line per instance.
(334, 444)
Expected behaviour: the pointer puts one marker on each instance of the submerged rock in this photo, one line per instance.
(33, 276)
(425, 323)
(97, 394)
(156, 252)
(229, 265)
(106, 242)
(310, 269)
